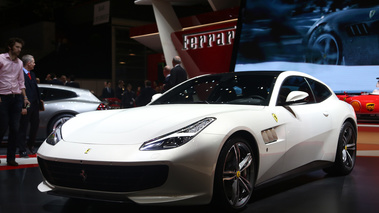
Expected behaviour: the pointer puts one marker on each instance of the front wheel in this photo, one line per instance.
(346, 151)
(324, 49)
(234, 177)
(58, 121)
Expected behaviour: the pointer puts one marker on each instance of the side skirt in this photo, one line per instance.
(316, 165)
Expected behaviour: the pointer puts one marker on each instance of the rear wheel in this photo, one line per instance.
(234, 178)
(346, 151)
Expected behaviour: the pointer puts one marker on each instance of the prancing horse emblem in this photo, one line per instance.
(275, 117)
(83, 175)
(372, 13)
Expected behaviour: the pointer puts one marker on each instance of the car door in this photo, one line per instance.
(307, 122)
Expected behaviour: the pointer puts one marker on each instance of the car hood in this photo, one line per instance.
(138, 125)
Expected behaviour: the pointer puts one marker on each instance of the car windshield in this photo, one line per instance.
(247, 88)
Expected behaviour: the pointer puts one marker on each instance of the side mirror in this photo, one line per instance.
(296, 96)
(155, 97)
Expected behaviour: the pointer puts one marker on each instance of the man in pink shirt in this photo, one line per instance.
(12, 95)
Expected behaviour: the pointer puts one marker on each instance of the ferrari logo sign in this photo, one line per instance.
(370, 106)
(275, 117)
(209, 39)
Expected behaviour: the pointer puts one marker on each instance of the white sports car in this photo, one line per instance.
(213, 138)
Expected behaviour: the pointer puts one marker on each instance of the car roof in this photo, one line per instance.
(265, 72)
(74, 89)
(80, 92)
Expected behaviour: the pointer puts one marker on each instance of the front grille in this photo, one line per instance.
(110, 178)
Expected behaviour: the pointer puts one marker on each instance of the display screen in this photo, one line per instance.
(334, 41)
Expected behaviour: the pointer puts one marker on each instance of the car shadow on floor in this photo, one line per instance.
(79, 205)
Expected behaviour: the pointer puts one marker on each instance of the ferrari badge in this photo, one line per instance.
(372, 13)
(275, 117)
(370, 107)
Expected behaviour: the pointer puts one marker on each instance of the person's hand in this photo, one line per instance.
(26, 102)
(24, 111)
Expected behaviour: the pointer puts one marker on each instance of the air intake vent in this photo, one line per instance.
(358, 29)
(269, 136)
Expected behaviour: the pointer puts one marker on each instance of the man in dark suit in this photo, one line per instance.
(30, 114)
(166, 83)
(178, 74)
(146, 94)
(108, 92)
(72, 82)
(54, 80)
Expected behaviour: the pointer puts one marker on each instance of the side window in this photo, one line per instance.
(294, 83)
(251, 91)
(320, 91)
(49, 94)
(42, 93)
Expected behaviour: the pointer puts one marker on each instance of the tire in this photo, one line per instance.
(346, 151)
(57, 121)
(235, 175)
(324, 48)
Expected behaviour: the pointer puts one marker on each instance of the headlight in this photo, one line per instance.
(356, 105)
(177, 138)
(55, 136)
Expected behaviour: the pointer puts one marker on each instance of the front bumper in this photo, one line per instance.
(122, 173)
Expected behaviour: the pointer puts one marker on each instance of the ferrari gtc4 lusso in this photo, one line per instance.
(211, 139)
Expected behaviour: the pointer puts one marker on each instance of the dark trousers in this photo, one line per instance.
(32, 118)
(10, 113)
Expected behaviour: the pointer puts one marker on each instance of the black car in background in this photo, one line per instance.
(346, 37)
(308, 31)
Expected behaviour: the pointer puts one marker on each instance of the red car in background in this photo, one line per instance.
(366, 105)
(113, 103)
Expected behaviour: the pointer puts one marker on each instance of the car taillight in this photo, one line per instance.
(102, 106)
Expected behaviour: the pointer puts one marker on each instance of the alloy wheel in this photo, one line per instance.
(327, 50)
(349, 144)
(237, 175)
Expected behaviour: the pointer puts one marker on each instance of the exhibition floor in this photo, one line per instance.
(312, 192)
